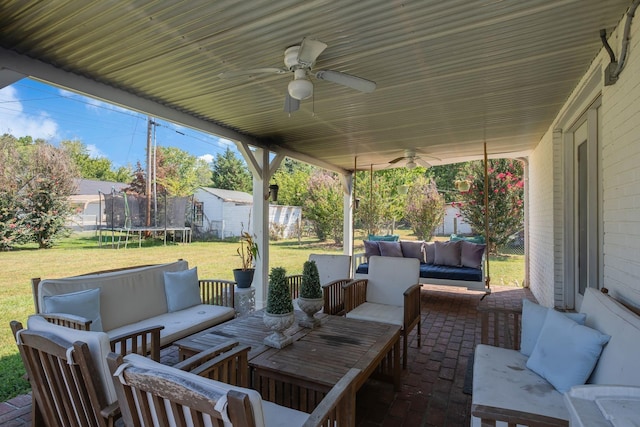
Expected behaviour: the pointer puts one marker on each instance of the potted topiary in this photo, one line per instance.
(310, 300)
(248, 252)
(278, 315)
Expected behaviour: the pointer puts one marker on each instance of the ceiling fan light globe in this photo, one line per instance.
(411, 164)
(300, 89)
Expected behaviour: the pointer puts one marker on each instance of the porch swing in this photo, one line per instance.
(477, 279)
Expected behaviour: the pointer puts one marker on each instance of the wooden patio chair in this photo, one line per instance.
(334, 271)
(71, 382)
(390, 294)
(63, 367)
(152, 394)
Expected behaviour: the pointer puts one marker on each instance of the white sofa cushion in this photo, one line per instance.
(98, 343)
(182, 289)
(180, 324)
(332, 267)
(82, 303)
(566, 352)
(378, 313)
(266, 414)
(389, 277)
(618, 361)
(126, 296)
(533, 317)
(501, 379)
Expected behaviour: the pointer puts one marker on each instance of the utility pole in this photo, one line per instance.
(149, 172)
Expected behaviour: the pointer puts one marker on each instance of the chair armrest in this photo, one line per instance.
(217, 292)
(142, 341)
(69, 320)
(500, 327)
(111, 413)
(491, 416)
(411, 304)
(227, 362)
(355, 293)
(334, 296)
(294, 282)
(338, 408)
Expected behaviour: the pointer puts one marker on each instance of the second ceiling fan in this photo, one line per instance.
(412, 160)
(299, 61)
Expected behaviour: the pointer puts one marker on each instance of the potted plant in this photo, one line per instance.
(278, 315)
(248, 252)
(310, 300)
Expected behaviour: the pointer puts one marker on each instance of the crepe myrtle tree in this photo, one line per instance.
(425, 207)
(505, 195)
(48, 183)
(324, 205)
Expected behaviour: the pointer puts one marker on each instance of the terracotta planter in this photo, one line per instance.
(243, 278)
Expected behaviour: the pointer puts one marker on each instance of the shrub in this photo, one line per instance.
(279, 297)
(310, 287)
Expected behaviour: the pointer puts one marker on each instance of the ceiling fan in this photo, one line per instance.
(299, 60)
(412, 160)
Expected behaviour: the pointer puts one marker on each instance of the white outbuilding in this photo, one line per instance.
(225, 213)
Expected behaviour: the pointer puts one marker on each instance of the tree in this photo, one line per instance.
(324, 205)
(293, 179)
(138, 182)
(445, 177)
(179, 173)
(99, 168)
(48, 184)
(425, 208)
(13, 228)
(231, 173)
(506, 209)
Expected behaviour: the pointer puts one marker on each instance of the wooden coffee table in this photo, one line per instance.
(299, 375)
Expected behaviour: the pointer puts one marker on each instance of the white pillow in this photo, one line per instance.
(83, 303)
(533, 317)
(182, 289)
(566, 352)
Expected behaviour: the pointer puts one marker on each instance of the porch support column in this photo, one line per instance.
(262, 170)
(347, 240)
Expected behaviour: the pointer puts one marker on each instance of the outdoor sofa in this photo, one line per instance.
(527, 384)
(135, 304)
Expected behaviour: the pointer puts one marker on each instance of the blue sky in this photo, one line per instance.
(31, 108)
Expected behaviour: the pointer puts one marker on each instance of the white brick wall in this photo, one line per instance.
(541, 244)
(621, 177)
(620, 187)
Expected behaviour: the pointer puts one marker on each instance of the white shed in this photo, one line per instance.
(225, 213)
(453, 222)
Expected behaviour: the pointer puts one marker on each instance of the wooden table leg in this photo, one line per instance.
(396, 365)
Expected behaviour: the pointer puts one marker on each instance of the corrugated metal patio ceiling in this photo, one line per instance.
(449, 73)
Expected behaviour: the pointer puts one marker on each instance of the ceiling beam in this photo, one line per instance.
(47, 73)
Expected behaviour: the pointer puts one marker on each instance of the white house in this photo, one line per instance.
(87, 203)
(225, 213)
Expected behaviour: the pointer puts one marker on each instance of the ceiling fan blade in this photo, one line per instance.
(423, 163)
(394, 161)
(290, 104)
(357, 83)
(240, 73)
(309, 51)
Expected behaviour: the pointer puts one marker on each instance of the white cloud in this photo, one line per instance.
(17, 123)
(207, 158)
(95, 152)
(92, 104)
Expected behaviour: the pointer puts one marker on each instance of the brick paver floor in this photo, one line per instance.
(431, 390)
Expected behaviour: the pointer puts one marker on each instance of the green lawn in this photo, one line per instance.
(80, 254)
